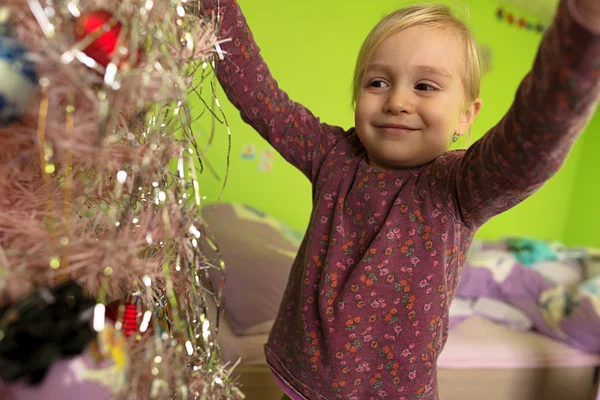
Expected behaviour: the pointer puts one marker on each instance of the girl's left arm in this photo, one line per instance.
(553, 104)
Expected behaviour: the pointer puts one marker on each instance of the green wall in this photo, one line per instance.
(311, 46)
(584, 208)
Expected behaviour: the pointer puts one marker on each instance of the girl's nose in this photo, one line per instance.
(400, 100)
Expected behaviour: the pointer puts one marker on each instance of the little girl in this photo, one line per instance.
(365, 312)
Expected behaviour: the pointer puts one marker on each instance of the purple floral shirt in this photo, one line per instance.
(365, 312)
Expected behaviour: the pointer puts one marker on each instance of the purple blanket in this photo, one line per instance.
(570, 315)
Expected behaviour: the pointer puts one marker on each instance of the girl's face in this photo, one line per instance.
(413, 100)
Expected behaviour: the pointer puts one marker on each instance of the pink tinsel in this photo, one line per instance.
(124, 215)
(143, 150)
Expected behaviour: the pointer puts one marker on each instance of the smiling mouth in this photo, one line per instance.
(393, 129)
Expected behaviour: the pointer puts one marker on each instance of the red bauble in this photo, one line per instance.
(129, 319)
(102, 49)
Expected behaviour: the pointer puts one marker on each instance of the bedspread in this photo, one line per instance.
(567, 313)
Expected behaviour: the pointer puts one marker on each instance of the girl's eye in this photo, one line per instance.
(378, 84)
(426, 87)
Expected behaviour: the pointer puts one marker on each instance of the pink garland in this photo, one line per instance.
(78, 220)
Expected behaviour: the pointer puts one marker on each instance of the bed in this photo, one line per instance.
(482, 359)
(493, 351)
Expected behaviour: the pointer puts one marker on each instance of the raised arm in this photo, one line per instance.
(291, 128)
(552, 106)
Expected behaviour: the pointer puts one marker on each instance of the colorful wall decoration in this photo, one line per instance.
(518, 21)
(264, 160)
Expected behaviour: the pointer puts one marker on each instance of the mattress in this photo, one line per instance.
(480, 343)
(475, 343)
(481, 359)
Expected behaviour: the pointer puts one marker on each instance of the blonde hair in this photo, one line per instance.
(434, 15)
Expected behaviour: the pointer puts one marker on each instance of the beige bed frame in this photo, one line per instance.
(466, 384)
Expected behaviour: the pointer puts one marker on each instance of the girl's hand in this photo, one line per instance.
(589, 12)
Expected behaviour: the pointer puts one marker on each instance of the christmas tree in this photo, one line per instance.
(101, 273)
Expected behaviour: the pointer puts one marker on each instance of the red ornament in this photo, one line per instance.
(130, 319)
(130, 323)
(104, 29)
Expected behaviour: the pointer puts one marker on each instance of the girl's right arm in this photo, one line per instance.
(555, 101)
(289, 127)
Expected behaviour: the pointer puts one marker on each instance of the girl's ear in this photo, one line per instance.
(468, 115)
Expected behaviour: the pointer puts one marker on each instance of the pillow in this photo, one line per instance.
(491, 309)
(258, 329)
(502, 313)
(258, 252)
(460, 310)
(564, 273)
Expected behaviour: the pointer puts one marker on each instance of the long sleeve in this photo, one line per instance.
(528, 146)
(289, 127)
